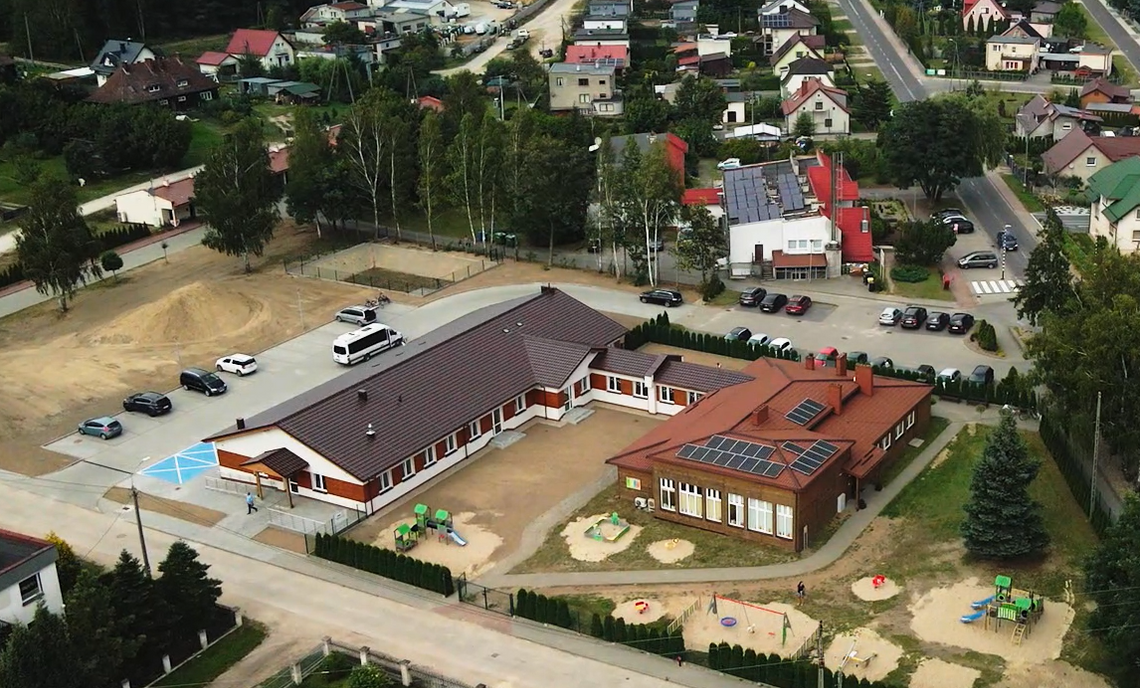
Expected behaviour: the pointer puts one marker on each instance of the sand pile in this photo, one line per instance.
(586, 548)
(935, 673)
(882, 656)
(631, 614)
(196, 312)
(766, 620)
(473, 558)
(671, 551)
(865, 589)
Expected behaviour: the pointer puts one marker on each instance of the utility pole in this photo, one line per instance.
(28, 34)
(1096, 453)
(138, 521)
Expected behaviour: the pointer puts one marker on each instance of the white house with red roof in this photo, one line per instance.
(270, 47)
(167, 203)
(616, 56)
(979, 13)
(710, 198)
(217, 65)
(824, 104)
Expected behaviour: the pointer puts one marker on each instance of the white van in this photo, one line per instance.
(363, 344)
(462, 9)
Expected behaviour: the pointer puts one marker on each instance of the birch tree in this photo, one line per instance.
(363, 146)
(487, 168)
(431, 160)
(652, 196)
(462, 159)
(609, 215)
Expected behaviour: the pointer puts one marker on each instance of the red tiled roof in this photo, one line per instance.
(684, 48)
(1076, 142)
(856, 242)
(819, 179)
(809, 87)
(586, 54)
(431, 103)
(279, 160)
(968, 5)
(255, 42)
(212, 58)
(1102, 85)
(701, 197)
(178, 193)
(689, 60)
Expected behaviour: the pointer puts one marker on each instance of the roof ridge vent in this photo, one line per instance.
(370, 432)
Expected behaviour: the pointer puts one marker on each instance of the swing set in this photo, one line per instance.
(731, 621)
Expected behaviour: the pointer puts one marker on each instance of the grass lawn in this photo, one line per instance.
(708, 173)
(865, 74)
(1125, 70)
(930, 288)
(1027, 197)
(191, 48)
(1078, 249)
(214, 662)
(728, 297)
(712, 550)
(204, 136)
(937, 425)
(448, 225)
(844, 25)
(12, 191)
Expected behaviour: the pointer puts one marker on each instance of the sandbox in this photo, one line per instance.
(935, 673)
(631, 610)
(580, 537)
(866, 589)
(671, 551)
(767, 636)
(868, 654)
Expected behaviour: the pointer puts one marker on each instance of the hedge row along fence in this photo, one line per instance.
(777, 671)
(111, 239)
(1056, 438)
(556, 612)
(385, 562)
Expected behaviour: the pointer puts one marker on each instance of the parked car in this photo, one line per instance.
(960, 323)
(890, 316)
(913, 317)
(238, 364)
(759, 339)
(150, 403)
(729, 164)
(982, 375)
(827, 355)
(662, 297)
(798, 305)
(103, 426)
(882, 362)
(741, 334)
(357, 315)
(781, 344)
(857, 358)
(773, 302)
(202, 381)
(1006, 241)
(937, 321)
(953, 218)
(949, 376)
(752, 296)
(961, 226)
(939, 214)
(978, 259)
(927, 371)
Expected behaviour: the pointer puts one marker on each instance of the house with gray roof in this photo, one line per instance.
(28, 578)
(391, 425)
(116, 53)
(1040, 118)
(591, 89)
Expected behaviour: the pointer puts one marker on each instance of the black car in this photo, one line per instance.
(982, 375)
(913, 317)
(662, 297)
(856, 358)
(937, 321)
(150, 403)
(939, 214)
(1006, 241)
(741, 334)
(882, 362)
(926, 371)
(960, 323)
(773, 302)
(752, 296)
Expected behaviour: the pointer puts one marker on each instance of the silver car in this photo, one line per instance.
(357, 315)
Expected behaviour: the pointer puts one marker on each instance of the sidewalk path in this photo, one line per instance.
(843, 538)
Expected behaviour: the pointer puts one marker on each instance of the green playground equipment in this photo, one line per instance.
(1020, 607)
(406, 537)
(594, 530)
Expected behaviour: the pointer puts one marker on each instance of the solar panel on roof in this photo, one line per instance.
(773, 470)
(748, 465)
(686, 451)
(765, 452)
(792, 448)
(736, 461)
(699, 453)
(715, 441)
(828, 446)
(752, 450)
(805, 412)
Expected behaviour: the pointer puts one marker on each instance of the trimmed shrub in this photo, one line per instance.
(608, 629)
(714, 656)
(910, 273)
(384, 562)
(596, 626)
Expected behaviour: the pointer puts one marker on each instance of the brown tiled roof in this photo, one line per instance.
(625, 362)
(814, 43)
(178, 193)
(281, 461)
(696, 377)
(552, 361)
(1102, 85)
(151, 81)
(809, 87)
(430, 388)
(1076, 142)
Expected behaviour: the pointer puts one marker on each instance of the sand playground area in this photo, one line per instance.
(472, 558)
(935, 673)
(867, 590)
(868, 655)
(766, 621)
(408, 260)
(596, 538)
(632, 612)
(936, 619)
(671, 551)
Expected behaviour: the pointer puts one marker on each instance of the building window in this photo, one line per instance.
(633, 483)
(1066, 126)
(668, 496)
(183, 83)
(583, 82)
(385, 481)
(735, 510)
(712, 505)
(601, 82)
(319, 483)
(30, 590)
(694, 397)
(900, 429)
(886, 443)
(816, 245)
(819, 105)
(760, 516)
(665, 394)
(205, 95)
(640, 390)
(153, 88)
(408, 469)
(583, 97)
(910, 420)
(449, 444)
(474, 429)
(613, 384)
(429, 456)
(584, 383)
(783, 521)
(1090, 161)
(690, 500)
(1136, 235)
(827, 123)
(520, 404)
(559, 82)
(181, 99)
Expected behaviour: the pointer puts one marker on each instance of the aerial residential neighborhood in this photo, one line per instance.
(541, 343)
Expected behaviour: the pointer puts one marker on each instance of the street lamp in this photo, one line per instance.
(1005, 233)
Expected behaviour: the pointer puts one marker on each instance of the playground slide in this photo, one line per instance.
(969, 618)
(458, 540)
(980, 604)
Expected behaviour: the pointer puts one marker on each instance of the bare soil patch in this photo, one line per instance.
(767, 634)
(865, 589)
(473, 558)
(198, 515)
(1052, 674)
(631, 612)
(407, 260)
(935, 673)
(671, 551)
(282, 539)
(610, 538)
(868, 654)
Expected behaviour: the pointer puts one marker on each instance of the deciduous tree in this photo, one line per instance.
(872, 104)
(1048, 284)
(67, 564)
(699, 98)
(1002, 520)
(40, 655)
(363, 145)
(342, 33)
(368, 676)
(701, 245)
(462, 161)
(923, 243)
(1112, 574)
(653, 191)
(55, 245)
(111, 262)
(1070, 21)
(935, 144)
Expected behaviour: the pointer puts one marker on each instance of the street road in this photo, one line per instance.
(1124, 40)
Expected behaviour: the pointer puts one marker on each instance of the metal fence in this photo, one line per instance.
(490, 599)
(402, 672)
(409, 284)
(233, 487)
(302, 524)
(340, 522)
(302, 668)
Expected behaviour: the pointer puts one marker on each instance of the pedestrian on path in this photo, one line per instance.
(250, 507)
(801, 593)
(680, 661)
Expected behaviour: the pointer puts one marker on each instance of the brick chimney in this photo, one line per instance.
(841, 365)
(760, 415)
(835, 397)
(809, 362)
(865, 378)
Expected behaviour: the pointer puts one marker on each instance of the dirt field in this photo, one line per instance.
(766, 636)
(136, 334)
(411, 260)
(505, 490)
(584, 547)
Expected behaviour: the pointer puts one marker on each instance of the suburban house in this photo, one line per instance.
(1024, 29)
(803, 69)
(796, 48)
(27, 578)
(398, 21)
(1041, 119)
(605, 24)
(379, 431)
(675, 148)
(586, 36)
(684, 12)
(1011, 53)
(711, 198)
(430, 103)
(437, 10)
(1101, 90)
(166, 205)
(608, 8)
(714, 44)
(737, 104)
(776, 458)
(776, 28)
(588, 88)
(760, 132)
(1044, 12)
(616, 56)
(978, 14)
(1080, 155)
(165, 81)
(218, 66)
(116, 53)
(270, 47)
(1115, 211)
(318, 16)
(1095, 59)
(688, 58)
(826, 105)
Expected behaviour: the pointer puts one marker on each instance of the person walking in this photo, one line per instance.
(250, 507)
(801, 593)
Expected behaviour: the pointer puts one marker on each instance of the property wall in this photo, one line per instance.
(12, 608)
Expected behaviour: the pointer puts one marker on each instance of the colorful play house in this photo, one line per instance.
(1008, 604)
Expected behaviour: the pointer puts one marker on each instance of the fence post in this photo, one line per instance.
(326, 646)
(511, 602)
(405, 672)
(364, 655)
(486, 602)
(295, 674)
(238, 618)
(166, 668)
(203, 640)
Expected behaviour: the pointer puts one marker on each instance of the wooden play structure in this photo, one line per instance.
(1021, 608)
(439, 523)
(595, 529)
(731, 621)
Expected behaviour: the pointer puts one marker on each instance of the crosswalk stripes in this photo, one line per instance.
(983, 287)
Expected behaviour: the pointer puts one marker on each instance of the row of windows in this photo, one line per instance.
(666, 395)
(692, 500)
(900, 430)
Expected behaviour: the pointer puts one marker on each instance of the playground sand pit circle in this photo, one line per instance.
(1055, 674)
(702, 628)
(628, 612)
(935, 619)
(936, 673)
(865, 589)
(585, 547)
(473, 558)
(881, 655)
(671, 551)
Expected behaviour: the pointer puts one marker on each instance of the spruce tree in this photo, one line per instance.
(596, 626)
(608, 629)
(187, 589)
(1112, 573)
(521, 602)
(1002, 520)
(620, 634)
(751, 670)
(714, 657)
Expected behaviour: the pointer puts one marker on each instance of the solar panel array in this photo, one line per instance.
(740, 455)
(813, 457)
(791, 196)
(780, 20)
(746, 197)
(805, 412)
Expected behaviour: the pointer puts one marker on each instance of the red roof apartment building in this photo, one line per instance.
(389, 426)
(775, 458)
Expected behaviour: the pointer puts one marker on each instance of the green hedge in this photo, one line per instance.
(776, 671)
(644, 637)
(985, 335)
(385, 562)
(659, 331)
(1057, 441)
(910, 273)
